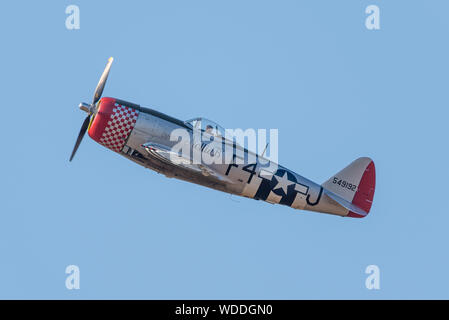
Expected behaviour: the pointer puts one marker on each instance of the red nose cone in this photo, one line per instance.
(113, 124)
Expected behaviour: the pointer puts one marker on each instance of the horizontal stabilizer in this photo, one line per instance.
(346, 204)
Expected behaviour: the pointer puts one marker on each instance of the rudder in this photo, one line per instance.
(355, 184)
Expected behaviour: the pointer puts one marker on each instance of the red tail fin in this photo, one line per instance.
(363, 198)
(354, 186)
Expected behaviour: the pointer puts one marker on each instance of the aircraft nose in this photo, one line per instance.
(112, 124)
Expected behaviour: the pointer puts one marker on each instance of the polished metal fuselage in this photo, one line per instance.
(155, 127)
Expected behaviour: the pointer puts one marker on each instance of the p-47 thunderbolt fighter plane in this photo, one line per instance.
(143, 135)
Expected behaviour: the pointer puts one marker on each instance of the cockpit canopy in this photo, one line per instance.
(207, 125)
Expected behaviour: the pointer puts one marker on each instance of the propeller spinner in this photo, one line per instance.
(90, 108)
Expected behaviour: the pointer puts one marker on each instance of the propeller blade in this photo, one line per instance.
(102, 82)
(80, 136)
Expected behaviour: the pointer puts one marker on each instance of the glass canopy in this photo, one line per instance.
(207, 126)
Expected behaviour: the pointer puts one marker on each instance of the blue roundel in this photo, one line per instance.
(278, 183)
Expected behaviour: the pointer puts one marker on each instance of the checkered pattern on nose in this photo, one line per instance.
(119, 126)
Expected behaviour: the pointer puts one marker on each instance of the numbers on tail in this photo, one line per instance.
(344, 184)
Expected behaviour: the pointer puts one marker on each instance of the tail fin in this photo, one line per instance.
(353, 187)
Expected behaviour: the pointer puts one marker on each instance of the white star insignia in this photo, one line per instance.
(283, 183)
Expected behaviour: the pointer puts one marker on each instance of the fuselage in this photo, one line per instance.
(125, 127)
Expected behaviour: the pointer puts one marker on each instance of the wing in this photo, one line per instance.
(166, 155)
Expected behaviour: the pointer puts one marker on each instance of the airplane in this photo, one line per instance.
(143, 136)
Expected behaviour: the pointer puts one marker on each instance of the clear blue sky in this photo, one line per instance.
(335, 90)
